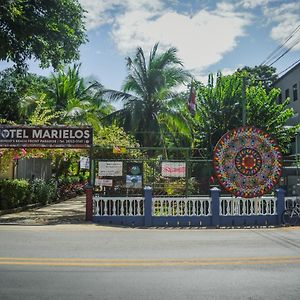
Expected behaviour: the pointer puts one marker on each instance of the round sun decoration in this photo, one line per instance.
(247, 162)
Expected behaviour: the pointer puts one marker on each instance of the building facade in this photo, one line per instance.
(289, 85)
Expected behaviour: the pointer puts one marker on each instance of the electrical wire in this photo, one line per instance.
(289, 67)
(285, 52)
(277, 53)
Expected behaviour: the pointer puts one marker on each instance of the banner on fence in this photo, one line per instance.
(173, 169)
(110, 168)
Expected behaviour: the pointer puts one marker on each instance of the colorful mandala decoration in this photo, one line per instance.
(247, 162)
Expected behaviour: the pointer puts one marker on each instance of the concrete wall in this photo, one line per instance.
(287, 82)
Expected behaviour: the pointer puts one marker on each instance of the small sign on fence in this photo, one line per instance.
(110, 168)
(103, 182)
(133, 181)
(84, 163)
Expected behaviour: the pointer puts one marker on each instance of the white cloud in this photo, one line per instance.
(103, 12)
(97, 12)
(202, 39)
(286, 17)
(254, 3)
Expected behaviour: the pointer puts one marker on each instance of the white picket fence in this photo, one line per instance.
(232, 206)
(187, 206)
(118, 206)
(181, 206)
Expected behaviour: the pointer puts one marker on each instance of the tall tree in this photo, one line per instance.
(262, 74)
(50, 31)
(220, 108)
(14, 89)
(150, 104)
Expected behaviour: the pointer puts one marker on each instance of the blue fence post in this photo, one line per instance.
(280, 193)
(215, 206)
(148, 206)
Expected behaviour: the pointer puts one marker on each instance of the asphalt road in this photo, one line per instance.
(95, 262)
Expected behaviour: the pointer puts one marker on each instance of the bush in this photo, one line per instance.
(43, 192)
(14, 193)
(19, 192)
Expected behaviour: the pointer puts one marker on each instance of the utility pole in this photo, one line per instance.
(244, 101)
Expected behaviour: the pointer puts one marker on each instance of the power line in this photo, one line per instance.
(280, 46)
(277, 52)
(285, 52)
(289, 67)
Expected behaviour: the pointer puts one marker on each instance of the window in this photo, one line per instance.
(287, 93)
(295, 92)
(280, 99)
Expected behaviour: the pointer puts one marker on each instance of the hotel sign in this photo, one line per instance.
(13, 136)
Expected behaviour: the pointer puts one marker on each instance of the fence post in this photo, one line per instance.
(88, 202)
(215, 206)
(148, 206)
(280, 193)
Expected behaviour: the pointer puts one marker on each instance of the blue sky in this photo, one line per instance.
(210, 35)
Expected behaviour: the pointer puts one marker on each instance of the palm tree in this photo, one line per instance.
(150, 106)
(78, 103)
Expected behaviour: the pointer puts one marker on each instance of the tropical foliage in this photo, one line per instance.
(263, 74)
(79, 104)
(151, 109)
(220, 107)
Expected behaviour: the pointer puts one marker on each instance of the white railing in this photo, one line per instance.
(181, 206)
(118, 206)
(231, 206)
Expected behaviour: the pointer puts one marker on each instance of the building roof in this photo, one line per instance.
(288, 72)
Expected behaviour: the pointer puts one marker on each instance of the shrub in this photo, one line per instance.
(14, 193)
(43, 192)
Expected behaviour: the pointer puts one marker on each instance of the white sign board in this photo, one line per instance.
(110, 168)
(84, 162)
(173, 169)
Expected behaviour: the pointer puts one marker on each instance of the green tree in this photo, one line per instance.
(264, 112)
(259, 74)
(16, 90)
(110, 136)
(219, 110)
(49, 31)
(150, 104)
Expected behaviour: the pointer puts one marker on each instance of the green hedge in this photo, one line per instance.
(18, 192)
(14, 193)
